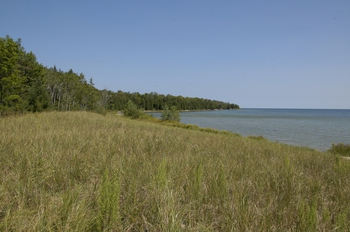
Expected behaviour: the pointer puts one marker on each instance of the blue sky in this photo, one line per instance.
(258, 54)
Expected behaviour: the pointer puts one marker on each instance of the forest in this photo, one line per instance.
(28, 86)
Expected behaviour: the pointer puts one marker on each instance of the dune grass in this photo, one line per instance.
(80, 171)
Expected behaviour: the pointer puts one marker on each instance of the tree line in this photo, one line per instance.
(28, 86)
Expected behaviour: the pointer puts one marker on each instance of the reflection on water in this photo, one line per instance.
(303, 127)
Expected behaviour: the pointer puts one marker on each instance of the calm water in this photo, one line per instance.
(302, 127)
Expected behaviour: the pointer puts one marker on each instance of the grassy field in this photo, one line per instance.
(82, 171)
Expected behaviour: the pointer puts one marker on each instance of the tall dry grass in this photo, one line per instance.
(80, 171)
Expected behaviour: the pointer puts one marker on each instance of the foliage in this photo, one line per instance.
(13, 103)
(26, 85)
(155, 101)
(38, 97)
(101, 110)
(21, 79)
(171, 114)
(70, 91)
(132, 111)
(257, 137)
(340, 149)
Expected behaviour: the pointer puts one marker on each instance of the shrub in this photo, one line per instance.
(209, 130)
(340, 149)
(192, 127)
(256, 137)
(101, 110)
(13, 104)
(132, 111)
(171, 114)
(148, 117)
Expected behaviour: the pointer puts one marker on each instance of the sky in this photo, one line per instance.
(257, 54)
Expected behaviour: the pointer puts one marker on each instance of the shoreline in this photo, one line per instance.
(160, 111)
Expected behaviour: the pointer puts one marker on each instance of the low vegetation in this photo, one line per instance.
(340, 149)
(171, 114)
(80, 171)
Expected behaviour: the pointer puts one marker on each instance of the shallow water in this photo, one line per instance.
(313, 128)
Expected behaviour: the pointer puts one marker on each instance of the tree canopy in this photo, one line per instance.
(26, 85)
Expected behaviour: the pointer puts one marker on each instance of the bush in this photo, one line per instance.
(148, 117)
(101, 110)
(192, 127)
(171, 114)
(14, 103)
(340, 149)
(132, 111)
(256, 137)
(209, 130)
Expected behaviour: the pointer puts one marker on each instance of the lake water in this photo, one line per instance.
(311, 128)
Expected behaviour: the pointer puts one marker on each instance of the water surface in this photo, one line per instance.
(314, 128)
